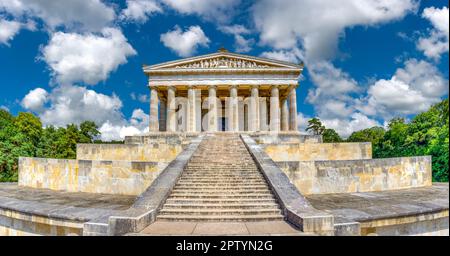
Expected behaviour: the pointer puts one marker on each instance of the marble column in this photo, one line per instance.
(162, 115)
(198, 110)
(293, 123)
(191, 117)
(171, 110)
(233, 115)
(212, 113)
(153, 119)
(263, 124)
(254, 109)
(274, 109)
(284, 115)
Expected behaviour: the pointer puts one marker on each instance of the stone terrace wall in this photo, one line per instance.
(323, 177)
(318, 151)
(156, 152)
(110, 177)
(284, 138)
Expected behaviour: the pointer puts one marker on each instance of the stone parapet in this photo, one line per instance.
(297, 210)
(349, 176)
(318, 151)
(155, 152)
(92, 176)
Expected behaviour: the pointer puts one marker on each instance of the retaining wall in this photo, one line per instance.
(349, 176)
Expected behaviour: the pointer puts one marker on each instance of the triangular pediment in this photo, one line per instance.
(223, 60)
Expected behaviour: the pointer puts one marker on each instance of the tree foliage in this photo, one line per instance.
(331, 136)
(315, 126)
(24, 135)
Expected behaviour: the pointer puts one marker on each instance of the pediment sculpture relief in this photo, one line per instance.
(223, 63)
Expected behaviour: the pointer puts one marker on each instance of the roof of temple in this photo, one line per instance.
(223, 60)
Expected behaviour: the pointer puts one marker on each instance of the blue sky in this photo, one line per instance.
(366, 61)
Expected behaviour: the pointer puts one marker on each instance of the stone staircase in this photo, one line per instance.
(221, 182)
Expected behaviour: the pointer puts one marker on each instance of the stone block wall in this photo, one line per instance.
(318, 151)
(155, 152)
(284, 138)
(349, 176)
(110, 177)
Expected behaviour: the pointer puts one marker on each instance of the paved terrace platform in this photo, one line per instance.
(79, 207)
(388, 208)
(181, 228)
(366, 208)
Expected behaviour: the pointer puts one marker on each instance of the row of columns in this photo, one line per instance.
(284, 121)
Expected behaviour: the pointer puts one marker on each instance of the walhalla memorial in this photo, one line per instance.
(224, 156)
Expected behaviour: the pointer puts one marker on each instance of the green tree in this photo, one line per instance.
(331, 136)
(315, 125)
(88, 131)
(14, 142)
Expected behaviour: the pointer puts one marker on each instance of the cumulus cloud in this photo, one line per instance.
(294, 55)
(345, 127)
(91, 15)
(35, 99)
(140, 10)
(216, 10)
(138, 124)
(144, 98)
(185, 43)
(88, 58)
(8, 29)
(317, 25)
(438, 40)
(75, 104)
(410, 90)
(241, 44)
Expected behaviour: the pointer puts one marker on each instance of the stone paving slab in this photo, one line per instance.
(385, 204)
(219, 228)
(59, 204)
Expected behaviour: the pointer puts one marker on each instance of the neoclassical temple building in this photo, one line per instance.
(251, 94)
(223, 157)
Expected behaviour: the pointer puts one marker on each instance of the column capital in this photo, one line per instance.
(212, 87)
(234, 86)
(274, 86)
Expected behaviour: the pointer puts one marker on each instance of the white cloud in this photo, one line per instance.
(317, 25)
(241, 44)
(138, 124)
(411, 90)
(88, 58)
(8, 29)
(35, 99)
(438, 40)
(91, 15)
(302, 122)
(4, 108)
(217, 10)
(140, 10)
(74, 104)
(144, 98)
(345, 127)
(294, 55)
(185, 43)
(331, 82)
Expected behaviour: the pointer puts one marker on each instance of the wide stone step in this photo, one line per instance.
(222, 196)
(251, 205)
(220, 200)
(223, 212)
(230, 218)
(223, 183)
(236, 190)
(208, 188)
(212, 179)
